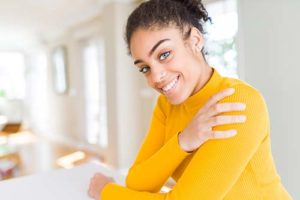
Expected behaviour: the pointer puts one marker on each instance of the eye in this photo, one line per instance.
(164, 55)
(144, 70)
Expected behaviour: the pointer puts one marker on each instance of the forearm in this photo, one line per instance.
(211, 164)
(151, 174)
(114, 191)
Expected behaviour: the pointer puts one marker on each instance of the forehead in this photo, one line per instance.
(143, 40)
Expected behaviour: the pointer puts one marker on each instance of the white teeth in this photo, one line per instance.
(171, 85)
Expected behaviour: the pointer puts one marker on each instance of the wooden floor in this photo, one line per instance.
(35, 154)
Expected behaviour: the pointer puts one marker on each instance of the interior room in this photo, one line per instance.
(70, 94)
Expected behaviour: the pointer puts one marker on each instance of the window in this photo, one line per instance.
(60, 69)
(220, 45)
(95, 93)
(12, 75)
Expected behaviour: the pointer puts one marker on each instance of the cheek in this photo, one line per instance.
(149, 81)
(182, 58)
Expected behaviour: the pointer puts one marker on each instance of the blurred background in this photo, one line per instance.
(69, 93)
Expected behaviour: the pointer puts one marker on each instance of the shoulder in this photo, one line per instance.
(256, 108)
(243, 91)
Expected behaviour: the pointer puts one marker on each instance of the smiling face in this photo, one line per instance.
(172, 66)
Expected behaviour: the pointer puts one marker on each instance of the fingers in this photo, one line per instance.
(222, 120)
(225, 107)
(92, 184)
(217, 97)
(200, 129)
(90, 190)
(226, 119)
(223, 134)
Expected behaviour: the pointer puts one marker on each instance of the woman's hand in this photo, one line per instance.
(200, 129)
(97, 184)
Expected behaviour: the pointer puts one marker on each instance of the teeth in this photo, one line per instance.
(170, 85)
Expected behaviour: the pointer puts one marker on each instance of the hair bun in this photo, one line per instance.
(196, 8)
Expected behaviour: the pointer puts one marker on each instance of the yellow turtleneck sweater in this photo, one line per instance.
(238, 168)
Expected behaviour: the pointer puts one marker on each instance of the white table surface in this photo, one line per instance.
(62, 184)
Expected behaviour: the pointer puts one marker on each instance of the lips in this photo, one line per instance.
(170, 86)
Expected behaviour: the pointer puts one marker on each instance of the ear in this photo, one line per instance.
(196, 40)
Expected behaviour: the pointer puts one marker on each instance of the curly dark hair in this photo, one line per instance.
(164, 13)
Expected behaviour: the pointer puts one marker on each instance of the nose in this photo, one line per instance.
(158, 76)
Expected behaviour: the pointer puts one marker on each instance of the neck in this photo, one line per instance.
(205, 75)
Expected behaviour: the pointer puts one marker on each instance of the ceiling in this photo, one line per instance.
(25, 22)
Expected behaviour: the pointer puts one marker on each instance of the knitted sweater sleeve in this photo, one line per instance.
(156, 160)
(217, 162)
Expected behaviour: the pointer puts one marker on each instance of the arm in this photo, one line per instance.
(217, 161)
(147, 173)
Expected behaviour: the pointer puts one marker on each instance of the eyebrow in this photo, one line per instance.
(152, 50)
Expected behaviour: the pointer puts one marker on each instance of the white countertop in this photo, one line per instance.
(62, 184)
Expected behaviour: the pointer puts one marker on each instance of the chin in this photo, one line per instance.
(176, 101)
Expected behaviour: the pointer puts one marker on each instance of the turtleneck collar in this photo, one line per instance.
(201, 96)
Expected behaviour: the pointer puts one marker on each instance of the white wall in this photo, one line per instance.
(129, 108)
(269, 60)
(65, 113)
(128, 99)
(123, 83)
(36, 101)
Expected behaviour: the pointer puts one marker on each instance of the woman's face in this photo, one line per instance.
(169, 63)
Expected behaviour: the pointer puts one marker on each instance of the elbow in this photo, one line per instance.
(128, 180)
(136, 181)
(131, 181)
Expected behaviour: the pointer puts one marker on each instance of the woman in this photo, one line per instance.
(165, 39)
